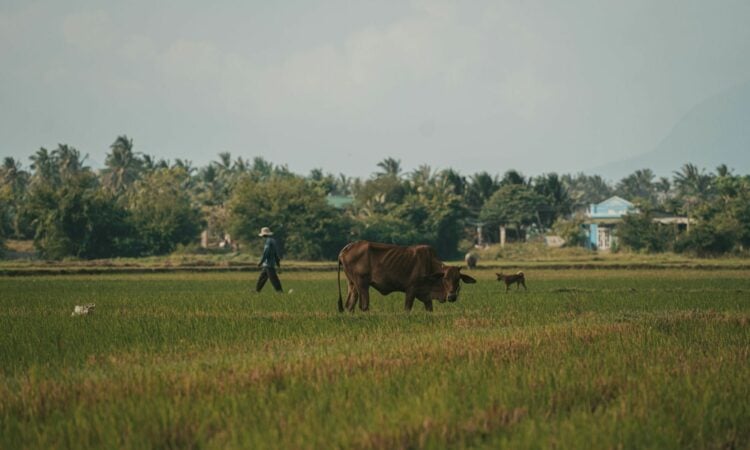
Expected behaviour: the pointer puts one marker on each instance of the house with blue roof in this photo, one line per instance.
(602, 220)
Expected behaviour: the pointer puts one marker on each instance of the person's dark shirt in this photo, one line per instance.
(270, 256)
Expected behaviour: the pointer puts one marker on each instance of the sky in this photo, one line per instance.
(537, 86)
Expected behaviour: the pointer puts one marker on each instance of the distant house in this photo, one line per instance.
(602, 220)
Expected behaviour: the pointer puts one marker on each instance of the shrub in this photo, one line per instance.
(706, 239)
(640, 233)
(305, 226)
(162, 213)
(571, 231)
(77, 219)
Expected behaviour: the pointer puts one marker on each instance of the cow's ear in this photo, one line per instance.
(467, 279)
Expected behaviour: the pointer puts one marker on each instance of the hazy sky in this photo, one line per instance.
(534, 85)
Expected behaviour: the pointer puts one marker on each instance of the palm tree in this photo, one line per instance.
(693, 185)
(261, 169)
(44, 165)
(662, 187)
(586, 189)
(597, 189)
(690, 181)
(513, 177)
(122, 166)
(456, 180)
(241, 165)
(481, 187)
(421, 178)
(225, 173)
(391, 167)
(11, 172)
(150, 164)
(225, 161)
(638, 185)
(69, 160)
(17, 180)
(316, 174)
(723, 170)
(343, 185)
(184, 164)
(210, 186)
(558, 202)
(209, 174)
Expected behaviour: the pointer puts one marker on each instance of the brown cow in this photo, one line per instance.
(414, 270)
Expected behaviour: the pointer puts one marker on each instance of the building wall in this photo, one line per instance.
(593, 235)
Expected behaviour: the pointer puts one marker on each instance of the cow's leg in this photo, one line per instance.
(355, 298)
(408, 301)
(351, 297)
(427, 301)
(363, 288)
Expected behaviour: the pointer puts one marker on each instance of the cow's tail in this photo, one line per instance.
(338, 277)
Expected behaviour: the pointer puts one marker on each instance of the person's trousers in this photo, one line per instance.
(266, 274)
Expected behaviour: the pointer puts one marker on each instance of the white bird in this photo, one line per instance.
(82, 310)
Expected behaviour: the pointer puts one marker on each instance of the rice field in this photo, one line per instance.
(583, 359)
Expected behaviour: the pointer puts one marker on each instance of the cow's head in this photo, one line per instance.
(447, 283)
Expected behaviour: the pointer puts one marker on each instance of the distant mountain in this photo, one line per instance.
(715, 131)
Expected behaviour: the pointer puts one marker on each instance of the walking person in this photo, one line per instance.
(269, 261)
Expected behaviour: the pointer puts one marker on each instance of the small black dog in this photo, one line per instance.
(518, 278)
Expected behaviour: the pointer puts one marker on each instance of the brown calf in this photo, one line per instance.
(518, 278)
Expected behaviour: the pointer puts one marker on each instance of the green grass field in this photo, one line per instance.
(584, 359)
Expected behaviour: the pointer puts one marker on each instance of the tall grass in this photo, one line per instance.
(583, 359)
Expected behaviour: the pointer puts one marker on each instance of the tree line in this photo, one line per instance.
(138, 205)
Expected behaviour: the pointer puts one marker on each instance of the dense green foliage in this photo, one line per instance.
(706, 239)
(137, 205)
(2, 232)
(5, 217)
(70, 214)
(571, 230)
(641, 233)
(516, 205)
(584, 359)
(71, 211)
(425, 208)
(161, 211)
(304, 224)
(720, 205)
